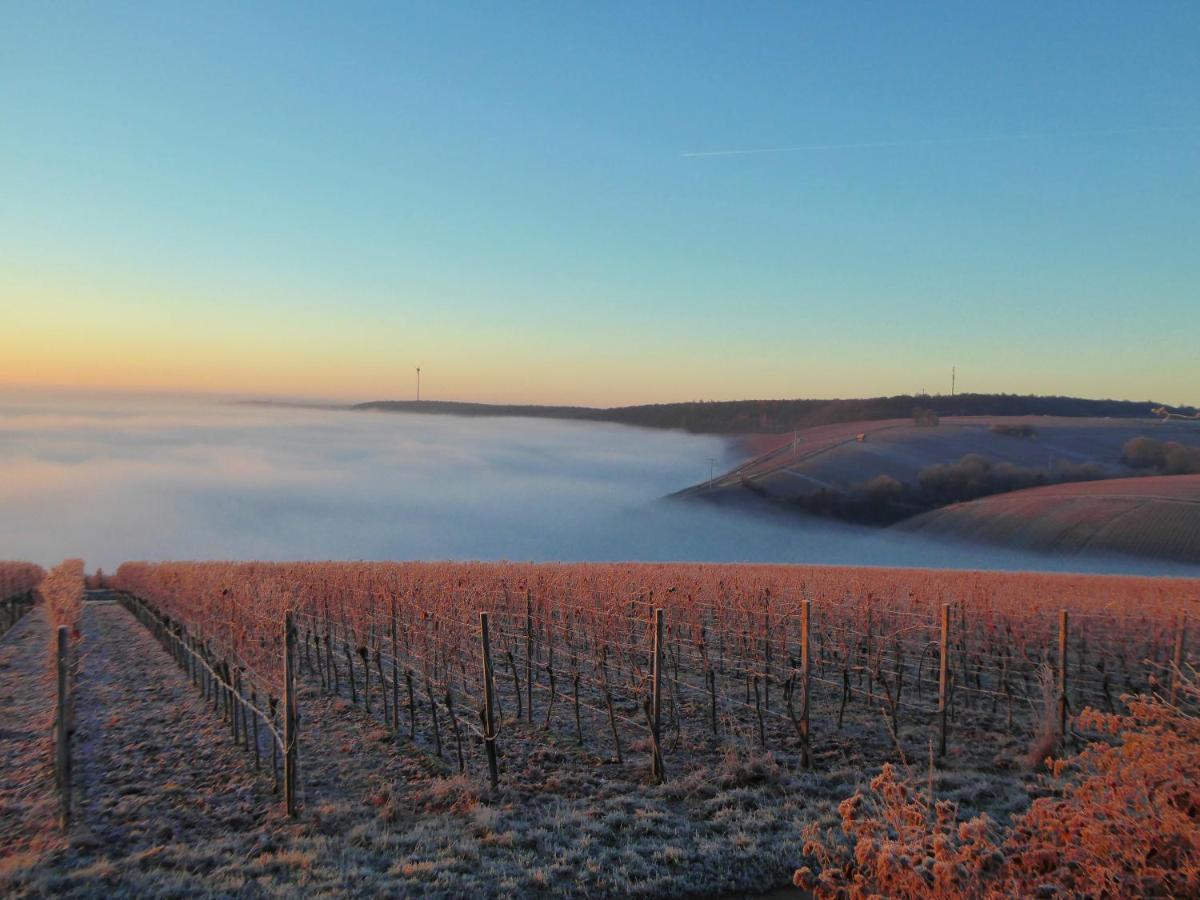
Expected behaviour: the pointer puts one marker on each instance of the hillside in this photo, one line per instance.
(1155, 516)
(884, 471)
(779, 416)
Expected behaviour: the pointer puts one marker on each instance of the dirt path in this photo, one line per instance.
(27, 807)
(165, 803)
(153, 763)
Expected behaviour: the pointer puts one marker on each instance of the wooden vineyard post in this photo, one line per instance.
(62, 730)
(943, 678)
(395, 673)
(804, 681)
(767, 651)
(528, 656)
(489, 700)
(656, 698)
(1062, 676)
(412, 706)
(1177, 659)
(289, 716)
(231, 677)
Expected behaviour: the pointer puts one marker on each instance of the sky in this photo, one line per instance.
(533, 201)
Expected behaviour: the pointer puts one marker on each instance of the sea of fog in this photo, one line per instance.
(117, 478)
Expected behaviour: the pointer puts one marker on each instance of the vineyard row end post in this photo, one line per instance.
(1177, 660)
(656, 698)
(489, 700)
(528, 656)
(943, 678)
(62, 730)
(1062, 675)
(289, 715)
(805, 610)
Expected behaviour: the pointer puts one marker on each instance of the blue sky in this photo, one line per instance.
(313, 199)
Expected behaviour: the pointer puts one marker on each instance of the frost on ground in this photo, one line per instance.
(27, 806)
(168, 806)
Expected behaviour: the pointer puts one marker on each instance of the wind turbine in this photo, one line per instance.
(418, 384)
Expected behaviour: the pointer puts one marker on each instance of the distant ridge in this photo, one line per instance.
(779, 416)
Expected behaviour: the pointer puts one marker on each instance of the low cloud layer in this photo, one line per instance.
(115, 479)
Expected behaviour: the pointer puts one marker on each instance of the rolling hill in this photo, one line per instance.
(1153, 516)
(888, 470)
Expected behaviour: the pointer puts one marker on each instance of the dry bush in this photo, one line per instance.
(1169, 458)
(1045, 719)
(1143, 453)
(894, 842)
(740, 767)
(1126, 822)
(62, 590)
(458, 793)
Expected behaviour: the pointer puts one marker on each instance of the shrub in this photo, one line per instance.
(1181, 460)
(924, 417)
(1125, 822)
(1168, 458)
(1144, 453)
(882, 490)
(952, 482)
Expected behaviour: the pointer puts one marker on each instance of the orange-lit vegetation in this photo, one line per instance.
(18, 578)
(62, 589)
(572, 645)
(388, 660)
(17, 583)
(1124, 821)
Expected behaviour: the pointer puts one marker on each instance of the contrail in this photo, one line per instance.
(938, 142)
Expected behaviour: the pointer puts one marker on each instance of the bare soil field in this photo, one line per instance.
(1154, 516)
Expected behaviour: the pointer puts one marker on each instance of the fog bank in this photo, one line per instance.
(122, 478)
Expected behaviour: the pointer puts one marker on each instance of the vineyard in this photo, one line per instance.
(661, 668)
(649, 729)
(17, 583)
